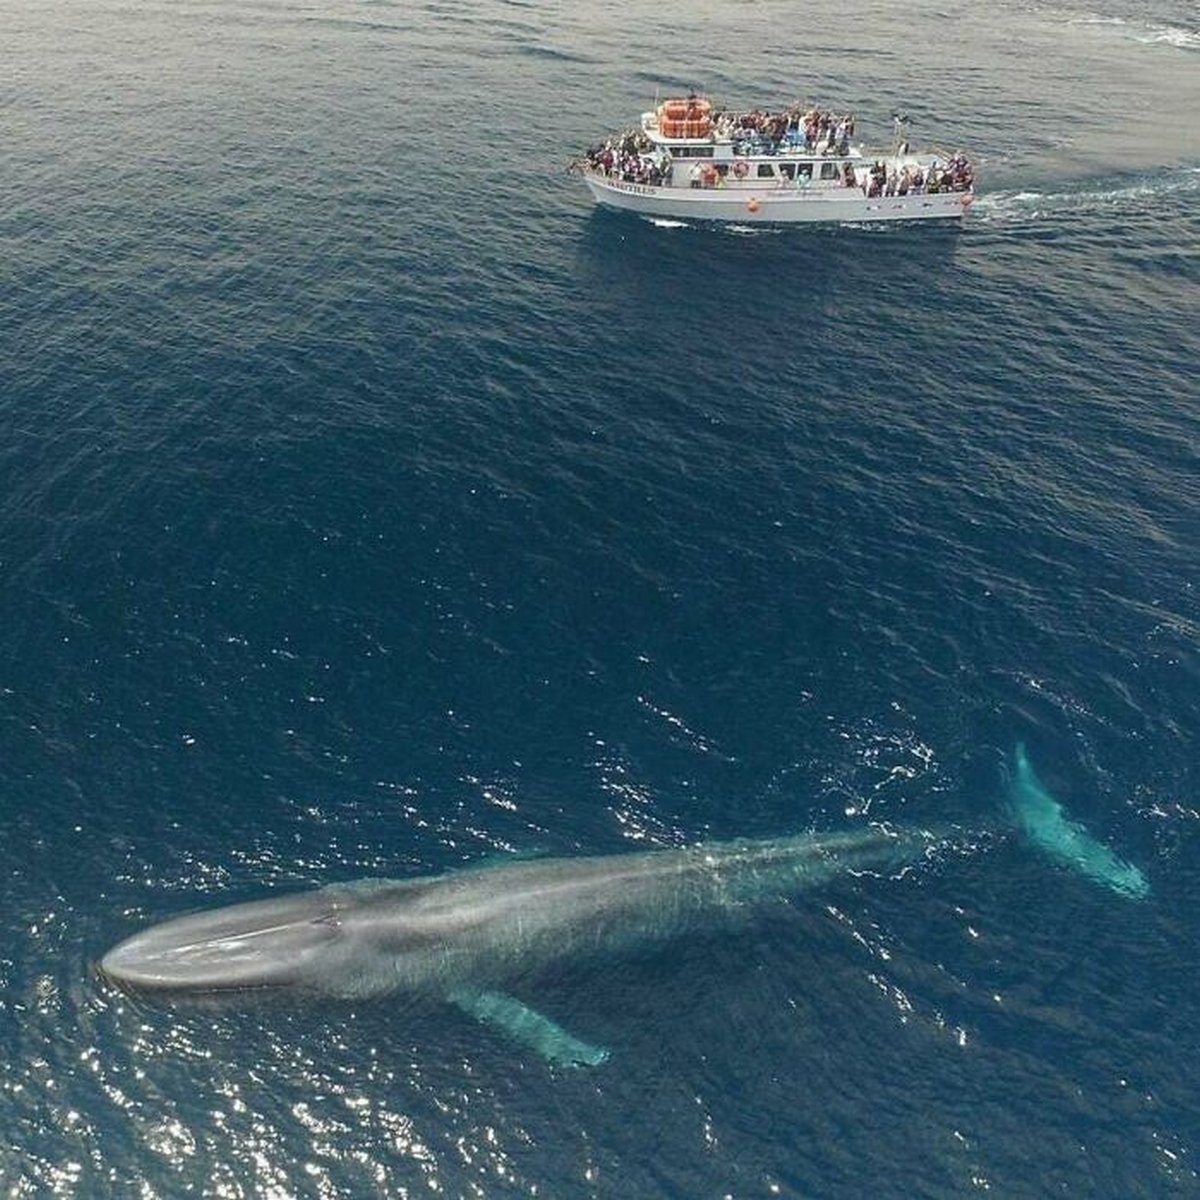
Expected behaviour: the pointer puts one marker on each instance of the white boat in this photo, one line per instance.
(689, 161)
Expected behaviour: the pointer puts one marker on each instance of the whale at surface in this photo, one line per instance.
(470, 935)
(465, 935)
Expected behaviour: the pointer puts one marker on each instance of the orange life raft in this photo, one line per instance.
(690, 118)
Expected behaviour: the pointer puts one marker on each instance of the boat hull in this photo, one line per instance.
(773, 205)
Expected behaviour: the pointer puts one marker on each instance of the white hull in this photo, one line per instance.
(746, 205)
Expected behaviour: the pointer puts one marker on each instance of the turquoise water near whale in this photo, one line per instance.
(370, 505)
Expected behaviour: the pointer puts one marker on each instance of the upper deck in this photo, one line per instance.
(680, 126)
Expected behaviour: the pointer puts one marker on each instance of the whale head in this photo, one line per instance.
(262, 944)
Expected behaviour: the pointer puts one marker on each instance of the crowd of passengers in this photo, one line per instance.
(954, 175)
(816, 129)
(877, 180)
(626, 156)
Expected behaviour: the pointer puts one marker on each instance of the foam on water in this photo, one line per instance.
(1082, 201)
(1184, 39)
(1142, 32)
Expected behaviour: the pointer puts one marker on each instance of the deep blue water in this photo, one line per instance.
(370, 505)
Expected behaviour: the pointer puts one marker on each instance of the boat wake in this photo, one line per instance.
(1141, 195)
(729, 229)
(1183, 38)
(1148, 35)
(738, 230)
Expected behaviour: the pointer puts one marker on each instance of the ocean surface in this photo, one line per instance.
(370, 505)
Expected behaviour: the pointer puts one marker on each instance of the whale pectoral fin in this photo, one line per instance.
(529, 1027)
(1048, 826)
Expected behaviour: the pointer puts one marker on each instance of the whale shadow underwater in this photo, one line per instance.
(463, 936)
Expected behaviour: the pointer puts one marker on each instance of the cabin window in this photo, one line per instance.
(804, 170)
(787, 170)
(829, 170)
(766, 171)
(691, 152)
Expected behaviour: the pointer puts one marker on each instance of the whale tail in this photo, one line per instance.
(1044, 821)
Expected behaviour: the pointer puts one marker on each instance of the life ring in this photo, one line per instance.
(752, 205)
(741, 168)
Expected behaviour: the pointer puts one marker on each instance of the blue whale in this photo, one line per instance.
(469, 935)
(465, 935)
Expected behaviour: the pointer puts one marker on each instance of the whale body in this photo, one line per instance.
(468, 935)
(464, 935)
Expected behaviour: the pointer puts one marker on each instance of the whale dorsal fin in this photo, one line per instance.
(529, 1027)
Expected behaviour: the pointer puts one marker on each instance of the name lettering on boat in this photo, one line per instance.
(639, 189)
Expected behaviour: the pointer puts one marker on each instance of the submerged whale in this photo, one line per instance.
(466, 935)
